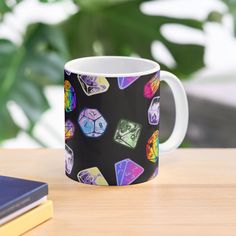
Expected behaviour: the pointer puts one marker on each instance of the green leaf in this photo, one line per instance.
(5, 6)
(8, 128)
(122, 29)
(31, 99)
(91, 5)
(25, 70)
(232, 9)
(108, 27)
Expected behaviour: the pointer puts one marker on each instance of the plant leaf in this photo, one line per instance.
(232, 9)
(8, 128)
(122, 29)
(25, 70)
(7, 6)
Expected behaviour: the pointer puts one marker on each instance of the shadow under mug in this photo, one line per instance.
(112, 116)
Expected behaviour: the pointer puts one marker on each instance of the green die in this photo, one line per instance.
(127, 133)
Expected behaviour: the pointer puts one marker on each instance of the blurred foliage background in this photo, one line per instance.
(101, 27)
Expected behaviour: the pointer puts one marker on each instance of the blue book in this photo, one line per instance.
(17, 194)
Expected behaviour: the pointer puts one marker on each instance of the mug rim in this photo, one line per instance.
(71, 66)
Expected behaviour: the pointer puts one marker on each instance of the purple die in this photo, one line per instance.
(92, 123)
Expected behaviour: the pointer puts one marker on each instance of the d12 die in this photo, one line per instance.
(92, 85)
(127, 133)
(92, 123)
(154, 111)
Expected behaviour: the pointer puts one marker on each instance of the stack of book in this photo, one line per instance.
(23, 205)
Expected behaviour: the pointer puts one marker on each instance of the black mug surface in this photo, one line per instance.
(112, 122)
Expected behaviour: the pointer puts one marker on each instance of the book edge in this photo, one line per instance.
(29, 220)
(22, 210)
(33, 195)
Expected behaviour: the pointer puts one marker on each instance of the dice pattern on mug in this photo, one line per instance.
(155, 173)
(151, 86)
(69, 159)
(127, 133)
(125, 82)
(127, 171)
(93, 125)
(93, 85)
(91, 176)
(69, 129)
(154, 111)
(69, 97)
(152, 147)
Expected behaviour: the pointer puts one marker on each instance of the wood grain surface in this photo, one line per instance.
(194, 194)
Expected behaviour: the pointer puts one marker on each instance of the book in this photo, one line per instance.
(28, 221)
(22, 211)
(16, 194)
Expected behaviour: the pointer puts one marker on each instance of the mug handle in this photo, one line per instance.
(181, 113)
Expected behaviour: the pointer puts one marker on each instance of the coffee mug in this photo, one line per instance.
(112, 117)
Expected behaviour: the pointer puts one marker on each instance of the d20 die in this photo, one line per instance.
(154, 111)
(69, 97)
(152, 147)
(124, 82)
(92, 123)
(127, 171)
(69, 159)
(92, 85)
(151, 86)
(91, 176)
(69, 129)
(127, 133)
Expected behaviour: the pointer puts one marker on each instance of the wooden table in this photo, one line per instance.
(194, 194)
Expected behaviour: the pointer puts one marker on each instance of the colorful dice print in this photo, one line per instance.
(127, 133)
(154, 111)
(127, 171)
(91, 176)
(152, 147)
(120, 155)
(92, 123)
(69, 97)
(125, 82)
(151, 87)
(69, 159)
(92, 85)
(69, 129)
